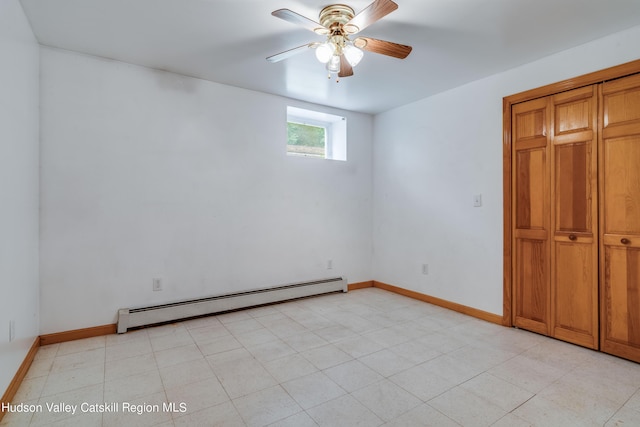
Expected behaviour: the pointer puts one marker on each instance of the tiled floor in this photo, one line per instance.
(366, 358)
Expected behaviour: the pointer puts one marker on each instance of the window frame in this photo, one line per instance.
(335, 131)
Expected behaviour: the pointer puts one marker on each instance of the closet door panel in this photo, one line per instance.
(621, 326)
(575, 303)
(573, 192)
(531, 216)
(620, 218)
(574, 279)
(532, 277)
(621, 185)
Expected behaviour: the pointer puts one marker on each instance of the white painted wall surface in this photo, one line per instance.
(19, 291)
(148, 174)
(431, 157)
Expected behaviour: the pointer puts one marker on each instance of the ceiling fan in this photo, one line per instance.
(338, 22)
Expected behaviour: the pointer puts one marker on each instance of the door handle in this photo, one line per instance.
(572, 237)
(625, 241)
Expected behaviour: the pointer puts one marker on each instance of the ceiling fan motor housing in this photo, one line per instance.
(335, 17)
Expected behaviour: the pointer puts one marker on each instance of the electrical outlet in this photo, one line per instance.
(425, 268)
(157, 285)
(330, 264)
(12, 330)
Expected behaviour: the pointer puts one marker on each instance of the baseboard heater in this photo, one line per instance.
(144, 316)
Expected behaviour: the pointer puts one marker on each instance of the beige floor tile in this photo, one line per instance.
(47, 351)
(386, 362)
(175, 355)
(422, 382)
(266, 406)
(301, 419)
(222, 415)
(243, 326)
(271, 350)
(358, 346)
(582, 400)
(185, 373)
(423, 416)
(81, 345)
(208, 333)
(345, 411)
(289, 367)
(304, 341)
(30, 389)
(131, 366)
(415, 351)
(386, 399)
(233, 316)
(263, 311)
(353, 375)
(243, 376)
(335, 333)
(40, 367)
(201, 322)
(529, 374)
(132, 387)
(259, 336)
(452, 369)
(481, 358)
(78, 360)
(511, 420)
(326, 356)
(285, 327)
(176, 337)
(128, 349)
(219, 345)
(91, 394)
(199, 395)
(313, 389)
(442, 341)
(623, 418)
(542, 412)
(497, 391)
(467, 408)
(73, 379)
(144, 411)
(387, 337)
(18, 418)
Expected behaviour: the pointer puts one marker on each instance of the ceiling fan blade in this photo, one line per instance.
(383, 47)
(296, 18)
(289, 53)
(375, 11)
(345, 68)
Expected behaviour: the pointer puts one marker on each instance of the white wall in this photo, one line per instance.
(19, 292)
(432, 156)
(150, 174)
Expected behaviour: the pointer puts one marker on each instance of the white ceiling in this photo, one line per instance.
(227, 41)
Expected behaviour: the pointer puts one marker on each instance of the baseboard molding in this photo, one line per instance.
(14, 385)
(474, 312)
(77, 334)
(360, 285)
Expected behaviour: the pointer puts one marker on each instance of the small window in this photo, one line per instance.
(315, 134)
(306, 140)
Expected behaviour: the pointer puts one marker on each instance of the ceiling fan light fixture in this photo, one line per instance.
(324, 52)
(353, 54)
(333, 66)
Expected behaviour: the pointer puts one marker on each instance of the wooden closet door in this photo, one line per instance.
(620, 218)
(531, 218)
(574, 213)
